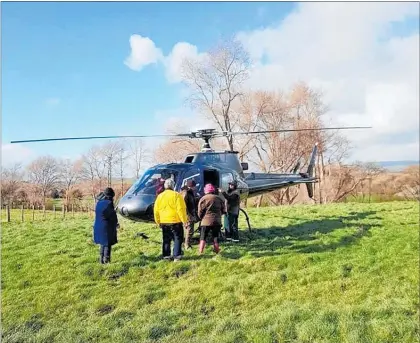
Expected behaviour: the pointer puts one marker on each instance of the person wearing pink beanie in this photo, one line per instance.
(211, 207)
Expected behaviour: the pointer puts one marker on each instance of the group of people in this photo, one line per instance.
(176, 214)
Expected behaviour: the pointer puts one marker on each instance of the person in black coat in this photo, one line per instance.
(105, 225)
(233, 199)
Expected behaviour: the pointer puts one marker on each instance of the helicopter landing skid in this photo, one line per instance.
(197, 230)
(247, 219)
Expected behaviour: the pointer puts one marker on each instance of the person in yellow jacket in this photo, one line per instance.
(170, 214)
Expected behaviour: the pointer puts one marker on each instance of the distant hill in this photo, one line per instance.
(397, 165)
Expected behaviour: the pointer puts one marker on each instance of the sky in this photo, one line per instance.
(112, 68)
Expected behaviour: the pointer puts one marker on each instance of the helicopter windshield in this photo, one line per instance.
(152, 181)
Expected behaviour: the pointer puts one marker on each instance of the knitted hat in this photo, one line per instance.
(109, 192)
(209, 188)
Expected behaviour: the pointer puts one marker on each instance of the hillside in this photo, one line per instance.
(339, 273)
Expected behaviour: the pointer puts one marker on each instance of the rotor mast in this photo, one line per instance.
(206, 135)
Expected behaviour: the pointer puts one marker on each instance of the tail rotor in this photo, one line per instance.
(310, 171)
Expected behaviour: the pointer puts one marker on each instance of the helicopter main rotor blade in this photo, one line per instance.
(98, 137)
(225, 133)
(198, 134)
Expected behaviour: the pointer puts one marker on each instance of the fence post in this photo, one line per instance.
(8, 212)
(72, 210)
(43, 211)
(22, 213)
(55, 213)
(64, 211)
(33, 212)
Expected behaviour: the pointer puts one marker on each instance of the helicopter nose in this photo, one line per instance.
(138, 207)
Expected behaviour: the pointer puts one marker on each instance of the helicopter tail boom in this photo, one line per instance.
(260, 183)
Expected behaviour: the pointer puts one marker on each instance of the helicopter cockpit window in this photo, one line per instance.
(193, 174)
(152, 181)
(226, 178)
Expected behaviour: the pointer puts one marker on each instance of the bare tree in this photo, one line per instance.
(121, 157)
(70, 174)
(345, 179)
(175, 150)
(215, 82)
(140, 155)
(299, 108)
(110, 153)
(44, 172)
(94, 168)
(11, 179)
(409, 183)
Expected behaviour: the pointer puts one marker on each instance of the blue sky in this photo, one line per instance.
(63, 71)
(74, 52)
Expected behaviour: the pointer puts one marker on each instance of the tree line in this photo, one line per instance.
(73, 180)
(217, 88)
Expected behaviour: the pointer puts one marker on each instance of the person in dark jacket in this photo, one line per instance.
(211, 207)
(105, 225)
(233, 199)
(189, 195)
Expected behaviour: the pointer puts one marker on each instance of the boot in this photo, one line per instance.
(216, 247)
(201, 247)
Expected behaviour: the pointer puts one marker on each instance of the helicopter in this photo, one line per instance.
(207, 166)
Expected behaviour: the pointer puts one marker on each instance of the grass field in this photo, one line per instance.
(337, 273)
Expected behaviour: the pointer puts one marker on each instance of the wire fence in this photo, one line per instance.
(30, 213)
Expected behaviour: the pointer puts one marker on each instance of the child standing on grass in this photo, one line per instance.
(105, 225)
(211, 207)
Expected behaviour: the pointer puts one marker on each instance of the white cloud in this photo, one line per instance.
(173, 62)
(15, 153)
(53, 101)
(143, 53)
(369, 76)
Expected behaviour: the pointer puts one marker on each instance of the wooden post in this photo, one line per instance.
(43, 211)
(72, 209)
(64, 211)
(8, 212)
(33, 212)
(22, 213)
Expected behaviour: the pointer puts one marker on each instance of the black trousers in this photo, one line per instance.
(172, 232)
(105, 253)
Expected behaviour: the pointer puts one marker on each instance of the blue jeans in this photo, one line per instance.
(171, 232)
(231, 226)
(105, 253)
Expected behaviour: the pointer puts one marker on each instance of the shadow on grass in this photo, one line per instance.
(300, 237)
(304, 237)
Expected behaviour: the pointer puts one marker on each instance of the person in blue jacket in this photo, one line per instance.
(105, 225)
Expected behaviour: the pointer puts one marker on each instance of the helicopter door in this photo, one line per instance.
(211, 176)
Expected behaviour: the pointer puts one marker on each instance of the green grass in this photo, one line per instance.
(337, 273)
